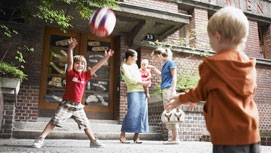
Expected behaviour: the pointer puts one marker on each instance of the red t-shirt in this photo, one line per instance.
(75, 85)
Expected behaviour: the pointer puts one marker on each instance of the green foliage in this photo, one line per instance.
(49, 14)
(6, 32)
(156, 90)
(19, 56)
(12, 68)
(190, 41)
(11, 71)
(187, 79)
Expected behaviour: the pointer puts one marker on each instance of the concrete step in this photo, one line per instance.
(103, 129)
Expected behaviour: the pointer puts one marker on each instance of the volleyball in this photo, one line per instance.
(102, 22)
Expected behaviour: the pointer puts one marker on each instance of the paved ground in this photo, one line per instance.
(111, 146)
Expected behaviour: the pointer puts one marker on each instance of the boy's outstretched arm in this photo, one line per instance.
(107, 55)
(72, 44)
(175, 102)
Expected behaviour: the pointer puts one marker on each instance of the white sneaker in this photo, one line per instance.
(38, 143)
(96, 143)
(172, 142)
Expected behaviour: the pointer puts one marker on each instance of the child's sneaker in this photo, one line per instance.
(38, 143)
(96, 143)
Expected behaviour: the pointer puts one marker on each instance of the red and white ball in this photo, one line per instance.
(102, 22)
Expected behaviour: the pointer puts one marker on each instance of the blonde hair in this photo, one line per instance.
(80, 58)
(145, 61)
(231, 23)
(164, 52)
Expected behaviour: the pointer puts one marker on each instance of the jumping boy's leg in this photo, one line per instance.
(60, 116)
(94, 142)
(81, 119)
(38, 143)
(49, 127)
(89, 134)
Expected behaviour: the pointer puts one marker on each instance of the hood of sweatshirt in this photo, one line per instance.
(235, 69)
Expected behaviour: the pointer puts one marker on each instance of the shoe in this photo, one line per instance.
(38, 143)
(172, 142)
(96, 143)
(136, 140)
(123, 140)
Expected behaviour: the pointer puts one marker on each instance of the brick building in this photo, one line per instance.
(139, 22)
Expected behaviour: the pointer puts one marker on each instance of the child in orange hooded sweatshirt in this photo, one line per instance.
(227, 84)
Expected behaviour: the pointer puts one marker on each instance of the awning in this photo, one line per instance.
(138, 22)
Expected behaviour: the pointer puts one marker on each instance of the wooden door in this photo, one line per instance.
(98, 97)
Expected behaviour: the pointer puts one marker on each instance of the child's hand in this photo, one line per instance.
(108, 53)
(72, 43)
(148, 96)
(173, 102)
(151, 67)
(192, 106)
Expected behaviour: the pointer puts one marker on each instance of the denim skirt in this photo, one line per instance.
(136, 118)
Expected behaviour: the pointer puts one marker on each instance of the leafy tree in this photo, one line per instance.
(47, 11)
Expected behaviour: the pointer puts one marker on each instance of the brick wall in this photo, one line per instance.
(192, 129)
(199, 23)
(6, 129)
(253, 44)
(123, 106)
(267, 42)
(155, 4)
(263, 97)
(28, 97)
(27, 104)
(123, 101)
(155, 108)
(1, 107)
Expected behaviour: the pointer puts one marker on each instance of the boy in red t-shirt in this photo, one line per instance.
(77, 76)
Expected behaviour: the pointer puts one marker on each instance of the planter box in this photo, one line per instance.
(10, 85)
(156, 98)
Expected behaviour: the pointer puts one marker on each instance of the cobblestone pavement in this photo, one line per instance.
(111, 146)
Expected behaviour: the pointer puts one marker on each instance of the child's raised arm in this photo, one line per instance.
(107, 55)
(72, 44)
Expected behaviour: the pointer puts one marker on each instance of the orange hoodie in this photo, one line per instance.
(227, 84)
